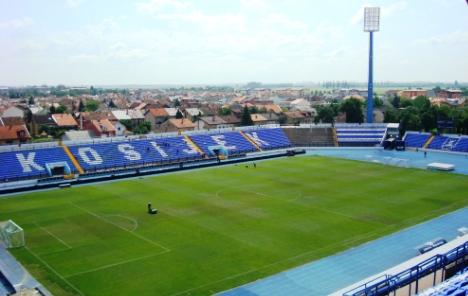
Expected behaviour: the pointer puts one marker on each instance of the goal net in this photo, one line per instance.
(11, 234)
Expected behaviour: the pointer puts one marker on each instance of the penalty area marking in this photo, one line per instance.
(53, 235)
(344, 243)
(54, 271)
(115, 264)
(120, 227)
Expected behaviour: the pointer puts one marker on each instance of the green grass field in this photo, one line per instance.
(219, 227)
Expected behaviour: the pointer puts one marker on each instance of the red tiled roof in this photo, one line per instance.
(64, 120)
(11, 132)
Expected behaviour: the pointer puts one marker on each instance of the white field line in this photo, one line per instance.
(54, 271)
(115, 264)
(134, 221)
(120, 227)
(344, 243)
(53, 235)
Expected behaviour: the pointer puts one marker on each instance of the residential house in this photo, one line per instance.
(65, 121)
(193, 113)
(12, 134)
(15, 111)
(100, 128)
(259, 119)
(177, 125)
(231, 120)
(211, 122)
(295, 117)
(156, 116)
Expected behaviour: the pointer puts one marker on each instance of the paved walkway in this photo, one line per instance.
(15, 273)
(333, 273)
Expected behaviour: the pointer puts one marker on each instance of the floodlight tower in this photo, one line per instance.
(371, 25)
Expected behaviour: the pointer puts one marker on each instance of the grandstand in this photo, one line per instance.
(454, 143)
(50, 164)
(74, 162)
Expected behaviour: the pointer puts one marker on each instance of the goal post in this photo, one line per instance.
(11, 234)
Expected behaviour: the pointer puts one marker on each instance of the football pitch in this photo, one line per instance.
(220, 227)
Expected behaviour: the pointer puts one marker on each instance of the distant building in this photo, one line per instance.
(12, 134)
(156, 116)
(412, 93)
(231, 120)
(65, 121)
(177, 125)
(212, 122)
(14, 111)
(101, 128)
(449, 93)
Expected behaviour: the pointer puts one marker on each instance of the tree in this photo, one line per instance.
(225, 111)
(143, 128)
(405, 103)
(428, 121)
(31, 101)
(92, 105)
(52, 109)
(391, 116)
(81, 106)
(179, 114)
(246, 119)
(325, 114)
(396, 101)
(377, 102)
(127, 123)
(112, 104)
(353, 109)
(176, 103)
(422, 103)
(61, 109)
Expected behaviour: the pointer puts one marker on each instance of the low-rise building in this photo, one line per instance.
(12, 134)
(101, 128)
(211, 122)
(177, 125)
(65, 121)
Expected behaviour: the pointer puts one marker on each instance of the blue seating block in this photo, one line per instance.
(30, 163)
(135, 152)
(416, 140)
(234, 142)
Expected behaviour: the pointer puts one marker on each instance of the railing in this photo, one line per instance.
(391, 283)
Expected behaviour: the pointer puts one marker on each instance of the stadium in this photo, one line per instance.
(310, 209)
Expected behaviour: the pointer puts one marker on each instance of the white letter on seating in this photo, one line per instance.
(254, 137)
(28, 162)
(219, 140)
(84, 156)
(159, 149)
(192, 149)
(129, 152)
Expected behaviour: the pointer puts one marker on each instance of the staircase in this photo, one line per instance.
(250, 140)
(72, 158)
(428, 142)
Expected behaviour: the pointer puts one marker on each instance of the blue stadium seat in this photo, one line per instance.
(234, 142)
(267, 139)
(461, 145)
(26, 164)
(102, 156)
(416, 140)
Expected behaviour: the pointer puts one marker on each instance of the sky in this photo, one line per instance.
(105, 42)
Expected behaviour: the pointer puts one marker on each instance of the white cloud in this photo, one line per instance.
(17, 23)
(455, 38)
